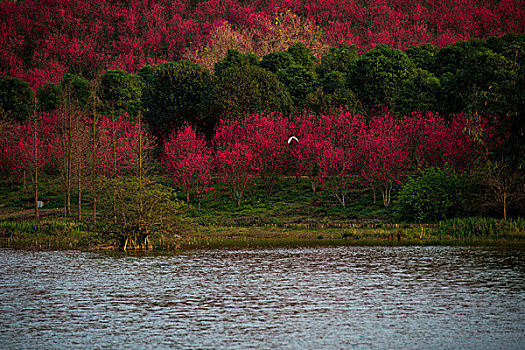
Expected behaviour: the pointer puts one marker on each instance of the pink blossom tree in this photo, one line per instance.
(341, 157)
(385, 153)
(235, 160)
(26, 150)
(435, 142)
(188, 162)
(306, 152)
(266, 135)
(328, 152)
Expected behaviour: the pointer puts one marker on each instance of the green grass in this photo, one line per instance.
(480, 228)
(291, 216)
(291, 202)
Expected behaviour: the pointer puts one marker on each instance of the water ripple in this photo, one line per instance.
(312, 298)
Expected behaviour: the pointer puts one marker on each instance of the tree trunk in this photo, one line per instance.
(35, 169)
(79, 191)
(141, 203)
(386, 192)
(504, 206)
(93, 166)
(69, 160)
(114, 140)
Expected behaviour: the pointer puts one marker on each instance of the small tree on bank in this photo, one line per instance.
(504, 187)
(133, 209)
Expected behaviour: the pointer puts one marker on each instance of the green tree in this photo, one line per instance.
(380, 74)
(475, 76)
(303, 56)
(422, 55)
(180, 92)
(49, 97)
(331, 94)
(436, 194)
(420, 92)
(249, 89)
(338, 59)
(509, 45)
(276, 60)
(147, 73)
(449, 58)
(234, 58)
(78, 88)
(121, 92)
(298, 81)
(134, 209)
(16, 99)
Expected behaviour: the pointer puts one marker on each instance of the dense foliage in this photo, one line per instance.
(134, 209)
(16, 99)
(41, 40)
(177, 92)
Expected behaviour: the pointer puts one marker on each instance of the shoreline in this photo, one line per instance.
(257, 237)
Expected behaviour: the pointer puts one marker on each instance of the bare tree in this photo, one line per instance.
(73, 148)
(504, 187)
(35, 162)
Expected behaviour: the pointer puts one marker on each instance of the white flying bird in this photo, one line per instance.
(292, 138)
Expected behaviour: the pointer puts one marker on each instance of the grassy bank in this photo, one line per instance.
(60, 234)
(291, 215)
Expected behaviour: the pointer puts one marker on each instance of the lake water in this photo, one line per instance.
(298, 298)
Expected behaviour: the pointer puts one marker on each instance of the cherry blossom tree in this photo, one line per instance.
(188, 162)
(235, 160)
(385, 152)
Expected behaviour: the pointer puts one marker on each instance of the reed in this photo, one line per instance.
(480, 228)
(36, 228)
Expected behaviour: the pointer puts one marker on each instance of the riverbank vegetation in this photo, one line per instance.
(292, 216)
(268, 123)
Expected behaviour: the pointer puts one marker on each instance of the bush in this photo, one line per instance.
(437, 194)
(133, 209)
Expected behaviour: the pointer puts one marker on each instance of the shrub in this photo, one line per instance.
(437, 194)
(133, 209)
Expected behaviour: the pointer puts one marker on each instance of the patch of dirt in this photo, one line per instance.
(17, 213)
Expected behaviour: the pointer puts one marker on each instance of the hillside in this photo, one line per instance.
(42, 40)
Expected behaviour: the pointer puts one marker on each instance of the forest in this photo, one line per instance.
(144, 117)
